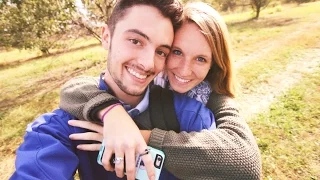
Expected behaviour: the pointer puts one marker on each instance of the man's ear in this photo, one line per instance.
(105, 37)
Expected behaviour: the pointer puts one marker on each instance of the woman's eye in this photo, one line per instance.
(161, 53)
(177, 52)
(201, 59)
(134, 41)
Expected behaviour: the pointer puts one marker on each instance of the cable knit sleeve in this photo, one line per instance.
(228, 152)
(81, 95)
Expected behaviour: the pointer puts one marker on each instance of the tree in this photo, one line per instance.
(258, 5)
(34, 23)
(42, 23)
(91, 14)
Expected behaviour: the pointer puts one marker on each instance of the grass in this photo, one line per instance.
(31, 88)
(44, 70)
(16, 55)
(289, 135)
(248, 35)
(259, 70)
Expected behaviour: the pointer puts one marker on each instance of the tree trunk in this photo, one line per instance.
(257, 12)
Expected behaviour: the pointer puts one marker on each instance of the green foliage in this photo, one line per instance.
(42, 23)
(92, 14)
(33, 23)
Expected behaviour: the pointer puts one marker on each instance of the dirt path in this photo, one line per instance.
(274, 44)
(259, 100)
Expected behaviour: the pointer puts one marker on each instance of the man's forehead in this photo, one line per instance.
(148, 21)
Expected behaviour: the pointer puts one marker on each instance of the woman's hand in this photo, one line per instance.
(122, 137)
(96, 135)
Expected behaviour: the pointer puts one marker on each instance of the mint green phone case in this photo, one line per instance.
(158, 160)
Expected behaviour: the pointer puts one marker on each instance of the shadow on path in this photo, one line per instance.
(21, 61)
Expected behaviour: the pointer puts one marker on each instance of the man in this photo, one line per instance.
(139, 37)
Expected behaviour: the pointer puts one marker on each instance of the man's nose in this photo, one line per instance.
(147, 59)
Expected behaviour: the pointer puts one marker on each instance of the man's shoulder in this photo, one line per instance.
(57, 118)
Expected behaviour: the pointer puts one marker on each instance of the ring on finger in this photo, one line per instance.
(117, 160)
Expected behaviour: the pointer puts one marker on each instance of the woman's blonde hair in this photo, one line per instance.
(220, 75)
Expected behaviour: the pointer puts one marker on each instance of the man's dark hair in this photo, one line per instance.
(169, 8)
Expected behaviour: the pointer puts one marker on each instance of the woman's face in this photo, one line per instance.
(190, 58)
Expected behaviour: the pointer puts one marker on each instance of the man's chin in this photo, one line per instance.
(134, 92)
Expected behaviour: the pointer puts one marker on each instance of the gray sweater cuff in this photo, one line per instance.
(94, 103)
(157, 138)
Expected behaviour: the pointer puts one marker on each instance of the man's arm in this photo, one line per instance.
(47, 152)
(228, 152)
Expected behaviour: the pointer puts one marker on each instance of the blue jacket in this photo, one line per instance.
(48, 153)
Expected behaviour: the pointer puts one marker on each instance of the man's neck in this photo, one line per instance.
(133, 101)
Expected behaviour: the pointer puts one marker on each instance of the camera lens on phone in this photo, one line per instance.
(158, 161)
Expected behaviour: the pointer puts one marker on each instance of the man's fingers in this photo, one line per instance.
(86, 125)
(148, 163)
(92, 136)
(89, 147)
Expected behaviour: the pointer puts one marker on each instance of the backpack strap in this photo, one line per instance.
(162, 111)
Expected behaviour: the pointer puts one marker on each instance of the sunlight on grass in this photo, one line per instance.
(13, 55)
(248, 34)
(13, 124)
(259, 70)
(289, 136)
(16, 54)
(52, 67)
(279, 11)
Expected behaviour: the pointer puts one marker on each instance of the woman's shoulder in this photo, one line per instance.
(217, 101)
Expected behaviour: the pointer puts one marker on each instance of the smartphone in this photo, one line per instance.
(141, 173)
(158, 160)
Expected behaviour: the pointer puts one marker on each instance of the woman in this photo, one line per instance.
(200, 66)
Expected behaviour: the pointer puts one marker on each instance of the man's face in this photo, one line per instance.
(139, 46)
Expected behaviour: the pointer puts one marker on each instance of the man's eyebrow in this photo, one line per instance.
(139, 32)
(166, 46)
(146, 37)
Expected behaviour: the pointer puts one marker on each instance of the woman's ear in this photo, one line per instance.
(105, 37)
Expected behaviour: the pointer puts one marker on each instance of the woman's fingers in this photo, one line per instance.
(119, 162)
(130, 163)
(148, 163)
(86, 125)
(106, 158)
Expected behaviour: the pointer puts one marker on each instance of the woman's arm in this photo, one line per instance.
(82, 98)
(228, 152)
